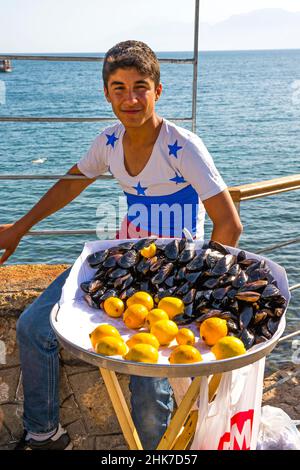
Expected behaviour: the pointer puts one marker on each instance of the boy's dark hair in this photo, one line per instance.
(131, 54)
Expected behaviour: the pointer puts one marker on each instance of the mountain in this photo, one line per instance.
(270, 28)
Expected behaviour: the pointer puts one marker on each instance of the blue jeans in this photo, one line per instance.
(151, 398)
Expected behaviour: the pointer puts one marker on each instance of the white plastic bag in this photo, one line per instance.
(231, 421)
(277, 431)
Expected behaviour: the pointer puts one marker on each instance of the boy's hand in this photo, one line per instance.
(9, 240)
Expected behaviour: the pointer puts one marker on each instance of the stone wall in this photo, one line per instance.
(85, 408)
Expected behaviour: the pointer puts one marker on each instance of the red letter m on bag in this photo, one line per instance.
(239, 437)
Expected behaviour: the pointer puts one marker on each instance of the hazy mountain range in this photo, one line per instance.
(270, 28)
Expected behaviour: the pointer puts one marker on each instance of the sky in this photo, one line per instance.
(95, 25)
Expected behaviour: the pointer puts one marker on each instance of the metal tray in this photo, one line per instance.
(63, 322)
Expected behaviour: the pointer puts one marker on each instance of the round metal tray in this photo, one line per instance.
(164, 370)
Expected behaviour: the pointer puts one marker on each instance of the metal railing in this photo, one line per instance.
(193, 61)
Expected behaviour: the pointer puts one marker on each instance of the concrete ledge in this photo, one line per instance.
(85, 408)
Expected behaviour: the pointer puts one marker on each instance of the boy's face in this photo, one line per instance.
(132, 96)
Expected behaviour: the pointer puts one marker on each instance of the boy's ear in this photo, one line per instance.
(158, 92)
(106, 94)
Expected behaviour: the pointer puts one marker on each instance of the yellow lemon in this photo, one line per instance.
(135, 315)
(111, 346)
(229, 346)
(143, 338)
(155, 315)
(101, 331)
(172, 305)
(142, 353)
(165, 331)
(185, 336)
(142, 298)
(185, 354)
(149, 251)
(212, 329)
(114, 307)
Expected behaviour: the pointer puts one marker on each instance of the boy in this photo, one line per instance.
(164, 171)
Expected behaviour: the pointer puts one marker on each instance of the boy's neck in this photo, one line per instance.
(144, 135)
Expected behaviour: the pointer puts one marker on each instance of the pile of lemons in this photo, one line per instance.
(140, 312)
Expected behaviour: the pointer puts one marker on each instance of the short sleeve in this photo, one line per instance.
(198, 168)
(95, 161)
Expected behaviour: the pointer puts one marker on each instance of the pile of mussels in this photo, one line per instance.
(211, 283)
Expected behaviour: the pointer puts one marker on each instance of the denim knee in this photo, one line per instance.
(32, 332)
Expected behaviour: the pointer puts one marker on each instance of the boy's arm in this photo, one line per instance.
(227, 226)
(63, 192)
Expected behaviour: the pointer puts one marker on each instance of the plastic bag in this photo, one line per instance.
(277, 430)
(231, 421)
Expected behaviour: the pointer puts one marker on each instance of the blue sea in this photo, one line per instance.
(248, 114)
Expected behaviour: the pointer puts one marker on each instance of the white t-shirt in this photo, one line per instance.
(166, 195)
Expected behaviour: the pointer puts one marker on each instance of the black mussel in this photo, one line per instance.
(265, 331)
(231, 293)
(180, 276)
(119, 272)
(183, 319)
(218, 247)
(246, 262)
(85, 287)
(196, 264)
(259, 339)
(210, 283)
(111, 261)
(95, 285)
(97, 295)
(255, 285)
(189, 296)
(193, 277)
(234, 306)
(270, 291)
(278, 312)
(126, 293)
(248, 296)
(183, 289)
(162, 274)
(220, 293)
(145, 285)
(123, 282)
(260, 316)
(247, 337)
(88, 298)
(234, 270)
(214, 313)
(143, 243)
(256, 275)
(187, 253)
(245, 316)
(272, 325)
(241, 256)
(240, 280)
(199, 295)
(155, 265)
(189, 310)
(201, 304)
(172, 250)
(143, 266)
(161, 293)
(207, 294)
(232, 326)
(182, 244)
(96, 259)
(100, 274)
(126, 245)
(254, 266)
(223, 265)
(129, 259)
(212, 257)
(170, 281)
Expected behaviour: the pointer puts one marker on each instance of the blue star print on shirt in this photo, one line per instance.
(178, 179)
(111, 139)
(173, 149)
(140, 190)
